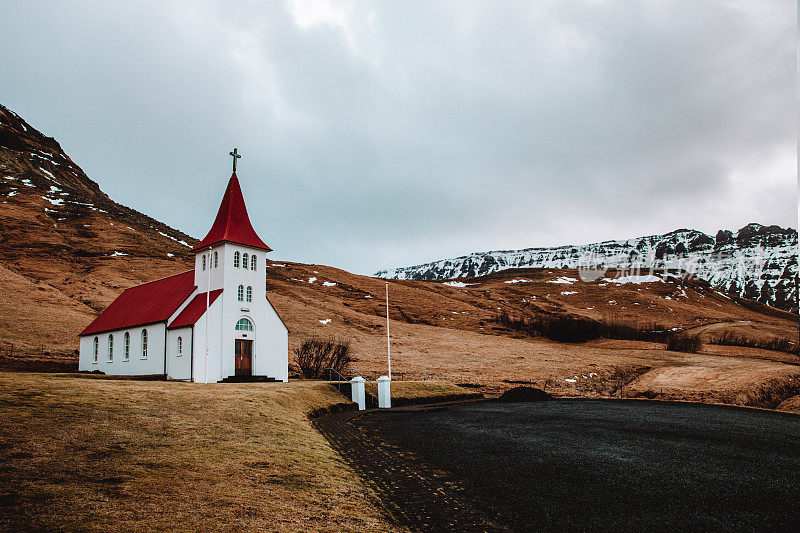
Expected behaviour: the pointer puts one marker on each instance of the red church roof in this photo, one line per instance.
(148, 303)
(232, 223)
(192, 312)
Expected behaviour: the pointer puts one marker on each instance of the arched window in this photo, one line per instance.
(204, 261)
(144, 344)
(216, 260)
(249, 293)
(126, 352)
(244, 261)
(253, 262)
(244, 325)
(111, 348)
(180, 346)
(95, 344)
(236, 259)
(240, 293)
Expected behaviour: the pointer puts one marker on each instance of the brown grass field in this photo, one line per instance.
(79, 453)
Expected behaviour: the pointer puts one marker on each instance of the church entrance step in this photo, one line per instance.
(249, 379)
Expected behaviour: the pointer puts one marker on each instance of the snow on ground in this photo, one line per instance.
(12, 193)
(565, 293)
(170, 254)
(312, 279)
(564, 279)
(570, 380)
(277, 265)
(518, 281)
(457, 284)
(48, 173)
(56, 201)
(27, 182)
(53, 188)
(117, 254)
(185, 244)
(634, 279)
(368, 296)
(328, 284)
(326, 321)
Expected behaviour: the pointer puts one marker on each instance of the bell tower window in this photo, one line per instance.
(240, 293)
(236, 259)
(249, 293)
(253, 262)
(244, 261)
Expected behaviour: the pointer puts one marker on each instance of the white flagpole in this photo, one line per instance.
(388, 340)
(208, 296)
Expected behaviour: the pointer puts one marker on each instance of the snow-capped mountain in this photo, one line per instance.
(757, 262)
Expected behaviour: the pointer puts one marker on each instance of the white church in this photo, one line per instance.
(210, 324)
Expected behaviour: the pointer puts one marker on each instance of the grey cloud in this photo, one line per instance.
(395, 133)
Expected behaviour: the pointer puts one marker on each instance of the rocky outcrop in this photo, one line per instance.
(757, 262)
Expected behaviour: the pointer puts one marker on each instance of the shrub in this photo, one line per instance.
(681, 342)
(314, 356)
(778, 344)
(582, 329)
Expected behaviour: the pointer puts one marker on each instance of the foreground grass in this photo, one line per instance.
(93, 454)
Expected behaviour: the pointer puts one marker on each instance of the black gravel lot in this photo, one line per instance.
(576, 465)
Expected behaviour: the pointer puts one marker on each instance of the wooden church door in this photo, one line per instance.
(243, 357)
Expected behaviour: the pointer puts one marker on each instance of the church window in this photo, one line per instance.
(236, 259)
(126, 353)
(204, 261)
(95, 344)
(240, 293)
(180, 346)
(244, 325)
(144, 344)
(111, 348)
(249, 293)
(244, 261)
(216, 260)
(253, 262)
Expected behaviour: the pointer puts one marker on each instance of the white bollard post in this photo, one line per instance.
(357, 392)
(384, 392)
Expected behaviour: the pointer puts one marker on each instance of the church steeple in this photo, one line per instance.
(232, 223)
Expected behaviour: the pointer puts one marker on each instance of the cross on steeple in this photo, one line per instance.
(235, 155)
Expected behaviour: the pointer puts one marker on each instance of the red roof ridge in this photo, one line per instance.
(232, 223)
(160, 279)
(147, 303)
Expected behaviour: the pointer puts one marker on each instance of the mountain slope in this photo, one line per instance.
(757, 262)
(67, 250)
(65, 243)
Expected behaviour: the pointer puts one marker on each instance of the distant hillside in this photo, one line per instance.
(757, 262)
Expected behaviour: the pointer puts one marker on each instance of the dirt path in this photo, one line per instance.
(419, 496)
(705, 328)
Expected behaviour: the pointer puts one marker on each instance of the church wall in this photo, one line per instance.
(272, 357)
(214, 348)
(179, 359)
(269, 336)
(136, 365)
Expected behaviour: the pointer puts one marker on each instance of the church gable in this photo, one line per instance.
(192, 312)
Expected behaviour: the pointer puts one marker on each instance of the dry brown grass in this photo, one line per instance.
(94, 454)
(407, 392)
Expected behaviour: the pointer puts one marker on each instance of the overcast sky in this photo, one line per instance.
(379, 134)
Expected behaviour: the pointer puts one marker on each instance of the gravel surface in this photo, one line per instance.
(581, 465)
